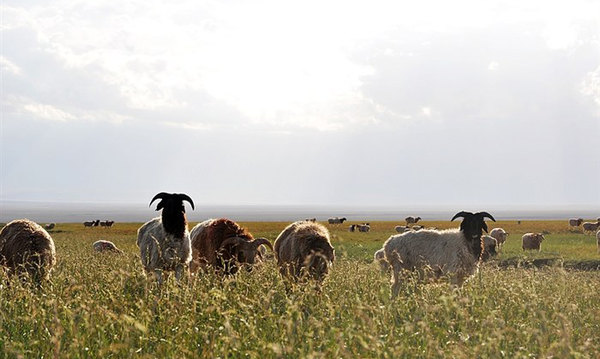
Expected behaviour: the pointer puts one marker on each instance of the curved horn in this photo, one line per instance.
(161, 195)
(185, 197)
(462, 214)
(485, 214)
(230, 240)
(258, 241)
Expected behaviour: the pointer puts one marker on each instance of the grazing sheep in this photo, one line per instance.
(88, 224)
(26, 248)
(304, 248)
(311, 219)
(365, 227)
(106, 246)
(225, 245)
(164, 241)
(379, 257)
(490, 245)
(455, 252)
(352, 227)
(50, 226)
(532, 241)
(598, 240)
(412, 220)
(107, 223)
(402, 229)
(500, 234)
(575, 222)
(336, 220)
(591, 226)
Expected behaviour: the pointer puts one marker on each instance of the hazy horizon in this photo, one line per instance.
(371, 103)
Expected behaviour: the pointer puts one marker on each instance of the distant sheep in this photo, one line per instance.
(88, 224)
(50, 226)
(106, 246)
(490, 246)
(26, 248)
(164, 241)
(365, 227)
(379, 257)
(417, 228)
(456, 252)
(107, 223)
(575, 222)
(412, 220)
(304, 248)
(591, 226)
(352, 227)
(336, 220)
(402, 229)
(532, 241)
(598, 240)
(500, 234)
(225, 245)
(311, 219)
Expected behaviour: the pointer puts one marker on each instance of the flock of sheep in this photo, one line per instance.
(302, 250)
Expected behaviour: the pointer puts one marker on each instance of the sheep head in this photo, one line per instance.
(173, 214)
(472, 226)
(240, 250)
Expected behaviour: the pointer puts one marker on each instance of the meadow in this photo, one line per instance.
(103, 306)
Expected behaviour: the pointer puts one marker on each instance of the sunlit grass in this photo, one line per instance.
(102, 306)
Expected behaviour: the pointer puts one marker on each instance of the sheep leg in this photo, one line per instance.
(180, 272)
(395, 282)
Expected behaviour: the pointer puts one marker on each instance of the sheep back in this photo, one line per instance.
(444, 251)
(105, 246)
(207, 238)
(161, 250)
(26, 247)
(298, 244)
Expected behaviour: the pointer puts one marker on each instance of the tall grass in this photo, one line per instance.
(102, 306)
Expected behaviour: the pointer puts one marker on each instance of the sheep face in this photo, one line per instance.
(318, 262)
(236, 251)
(472, 226)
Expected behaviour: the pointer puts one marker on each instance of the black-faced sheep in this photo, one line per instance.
(50, 226)
(402, 229)
(106, 246)
(455, 252)
(500, 234)
(591, 226)
(26, 248)
(365, 227)
(225, 245)
(532, 241)
(304, 249)
(336, 220)
(164, 241)
(107, 223)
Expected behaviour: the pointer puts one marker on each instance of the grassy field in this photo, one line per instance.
(102, 306)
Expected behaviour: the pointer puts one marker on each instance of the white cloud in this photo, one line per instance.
(591, 86)
(8, 66)
(47, 112)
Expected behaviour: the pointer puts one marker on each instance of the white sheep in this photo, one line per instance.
(532, 241)
(402, 229)
(455, 252)
(164, 241)
(575, 222)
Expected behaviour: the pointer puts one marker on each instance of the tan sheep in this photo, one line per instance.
(26, 248)
(304, 248)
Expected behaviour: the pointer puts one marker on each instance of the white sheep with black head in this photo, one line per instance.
(453, 252)
(164, 241)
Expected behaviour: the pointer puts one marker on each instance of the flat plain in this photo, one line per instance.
(520, 305)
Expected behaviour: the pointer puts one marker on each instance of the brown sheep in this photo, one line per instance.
(224, 245)
(304, 248)
(532, 241)
(26, 248)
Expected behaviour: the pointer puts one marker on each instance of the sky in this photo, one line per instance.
(360, 103)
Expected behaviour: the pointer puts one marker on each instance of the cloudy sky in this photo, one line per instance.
(397, 103)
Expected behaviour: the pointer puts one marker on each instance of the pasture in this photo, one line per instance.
(102, 305)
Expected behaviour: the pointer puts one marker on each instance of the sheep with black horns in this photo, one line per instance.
(304, 249)
(225, 246)
(27, 249)
(455, 252)
(164, 241)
